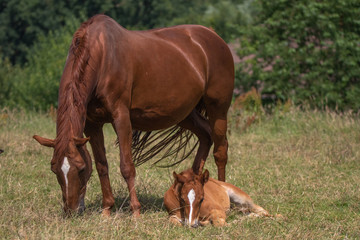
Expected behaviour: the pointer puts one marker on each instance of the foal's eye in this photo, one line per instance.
(201, 200)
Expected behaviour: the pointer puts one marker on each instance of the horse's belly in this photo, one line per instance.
(159, 107)
(147, 120)
(158, 117)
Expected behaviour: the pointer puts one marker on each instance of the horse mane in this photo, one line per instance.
(71, 112)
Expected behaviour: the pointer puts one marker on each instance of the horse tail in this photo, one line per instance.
(175, 141)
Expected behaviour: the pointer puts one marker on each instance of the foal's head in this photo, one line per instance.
(71, 163)
(189, 188)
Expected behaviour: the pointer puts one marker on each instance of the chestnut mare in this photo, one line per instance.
(137, 81)
(196, 200)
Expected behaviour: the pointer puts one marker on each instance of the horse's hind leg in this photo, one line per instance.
(201, 128)
(243, 201)
(94, 131)
(218, 123)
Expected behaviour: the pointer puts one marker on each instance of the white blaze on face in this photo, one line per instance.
(191, 197)
(65, 168)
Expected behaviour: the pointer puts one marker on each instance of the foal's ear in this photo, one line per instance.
(80, 141)
(44, 141)
(179, 178)
(205, 177)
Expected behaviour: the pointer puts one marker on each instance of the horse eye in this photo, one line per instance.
(201, 200)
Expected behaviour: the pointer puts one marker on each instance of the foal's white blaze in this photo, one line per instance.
(65, 168)
(191, 197)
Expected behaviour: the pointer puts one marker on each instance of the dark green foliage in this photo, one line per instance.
(35, 36)
(299, 50)
(306, 51)
(35, 85)
(6, 71)
(22, 22)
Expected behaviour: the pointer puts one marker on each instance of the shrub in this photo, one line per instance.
(35, 86)
(305, 51)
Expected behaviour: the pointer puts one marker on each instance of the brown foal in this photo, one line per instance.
(195, 200)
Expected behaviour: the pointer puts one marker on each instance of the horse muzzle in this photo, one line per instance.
(194, 225)
(74, 210)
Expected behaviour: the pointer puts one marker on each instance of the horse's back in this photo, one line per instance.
(159, 75)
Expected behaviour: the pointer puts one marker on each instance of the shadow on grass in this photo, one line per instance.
(149, 203)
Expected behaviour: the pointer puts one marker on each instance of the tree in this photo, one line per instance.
(305, 50)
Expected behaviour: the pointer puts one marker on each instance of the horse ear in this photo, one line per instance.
(44, 141)
(175, 175)
(205, 177)
(80, 141)
(179, 178)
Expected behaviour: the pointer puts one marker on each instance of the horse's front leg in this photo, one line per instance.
(122, 126)
(218, 217)
(94, 131)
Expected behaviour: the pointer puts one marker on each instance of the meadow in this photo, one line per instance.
(303, 164)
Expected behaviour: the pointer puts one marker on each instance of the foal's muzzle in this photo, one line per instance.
(195, 225)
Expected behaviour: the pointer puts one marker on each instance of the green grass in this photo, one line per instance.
(304, 165)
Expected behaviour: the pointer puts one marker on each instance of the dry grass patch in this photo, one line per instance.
(304, 165)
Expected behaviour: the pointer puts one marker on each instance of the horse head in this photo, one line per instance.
(71, 163)
(189, 188)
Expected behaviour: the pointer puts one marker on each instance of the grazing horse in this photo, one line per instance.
(196, 199)
(181, 76)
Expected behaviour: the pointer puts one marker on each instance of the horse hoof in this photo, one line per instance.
(220, 222)
(105, 213)
(204, 223)
(136, 214)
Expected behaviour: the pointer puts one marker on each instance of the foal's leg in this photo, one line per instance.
(244, 201)
(201, 128)
(122, 126)
(94, 131)
(172, 205)
(218, 217)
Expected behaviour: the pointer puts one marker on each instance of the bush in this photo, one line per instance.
(35, 86)
(305, 51)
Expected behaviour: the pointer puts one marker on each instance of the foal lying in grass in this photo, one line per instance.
(196, 200)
